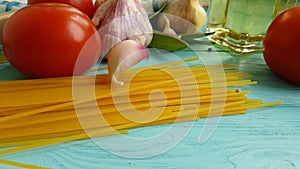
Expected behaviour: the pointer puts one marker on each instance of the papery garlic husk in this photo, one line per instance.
(185, 16)
(119, 20)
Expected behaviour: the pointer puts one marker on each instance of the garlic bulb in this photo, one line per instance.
(119, 20)
(185, 16)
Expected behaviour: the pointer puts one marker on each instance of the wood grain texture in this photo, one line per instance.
(266, 138)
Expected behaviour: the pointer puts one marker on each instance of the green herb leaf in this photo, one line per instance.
(164, 41)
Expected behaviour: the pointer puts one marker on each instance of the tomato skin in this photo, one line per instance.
(282, 47)
(86, 6)
(51, 40)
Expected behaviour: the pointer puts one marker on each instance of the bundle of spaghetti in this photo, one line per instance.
(41, 112)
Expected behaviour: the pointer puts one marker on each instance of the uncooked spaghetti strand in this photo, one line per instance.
(203, 79)
(200, 82)
(16, 88)
(171, 92)
(199, 79)
(39, 119)
(52, 141)
(25, 140)
(183, 116)
(7, 111)
(188, 118)
(254, 106)
(36, 111)
(206, 86)
(50, 108)
(48, 95)
(22, 141)
(57, 80)
(204, 112)
(19, 165)
(46, 85)
(163, 74)
(169, 96)
(91, 81)
(148, 72)
(89, 134)
(98, 69)
(170, 121)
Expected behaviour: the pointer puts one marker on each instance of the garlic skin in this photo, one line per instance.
(123, 56)
(119, 20)
(167, 29)
(185, 16)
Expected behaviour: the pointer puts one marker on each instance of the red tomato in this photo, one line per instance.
(51, 40)
(86, 6)
(282, 46)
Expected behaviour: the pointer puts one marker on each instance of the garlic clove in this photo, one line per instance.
(167, 29)
(123, 56)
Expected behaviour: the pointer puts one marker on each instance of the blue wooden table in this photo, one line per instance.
(265, 138)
